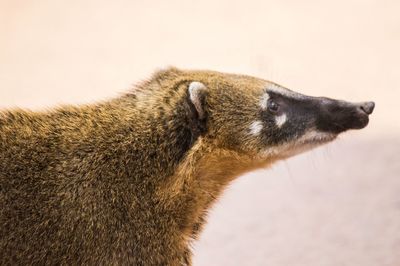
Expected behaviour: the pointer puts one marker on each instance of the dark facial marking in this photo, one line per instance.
(304, 113)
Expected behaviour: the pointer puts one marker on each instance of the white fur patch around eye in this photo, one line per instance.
(256, 127)
(264, 101)
(280, 120)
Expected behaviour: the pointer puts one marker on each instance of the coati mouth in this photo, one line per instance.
(317, 138)
(311, 139)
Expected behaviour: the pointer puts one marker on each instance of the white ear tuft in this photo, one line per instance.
(197, 93)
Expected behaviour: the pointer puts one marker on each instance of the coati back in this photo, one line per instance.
(129, 180)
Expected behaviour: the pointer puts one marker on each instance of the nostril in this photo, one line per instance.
(368, 107)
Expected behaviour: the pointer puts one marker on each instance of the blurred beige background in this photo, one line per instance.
(338, 205)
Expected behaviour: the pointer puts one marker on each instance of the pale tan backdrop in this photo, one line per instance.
(338, 205)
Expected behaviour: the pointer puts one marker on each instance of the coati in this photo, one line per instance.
(128, 181)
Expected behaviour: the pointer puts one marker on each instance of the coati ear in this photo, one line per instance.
(197, 95)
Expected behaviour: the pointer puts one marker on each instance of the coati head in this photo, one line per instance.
(264, 120)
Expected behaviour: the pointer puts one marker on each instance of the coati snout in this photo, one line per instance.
(289, 116)
(129, 181)
(338, 116)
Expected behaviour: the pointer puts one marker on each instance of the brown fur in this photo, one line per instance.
(126, 181)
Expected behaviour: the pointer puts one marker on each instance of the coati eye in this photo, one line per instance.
(273, 107)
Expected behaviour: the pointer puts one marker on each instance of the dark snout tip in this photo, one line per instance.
(367, 107)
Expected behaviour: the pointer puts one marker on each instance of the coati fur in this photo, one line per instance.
(129, 181)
